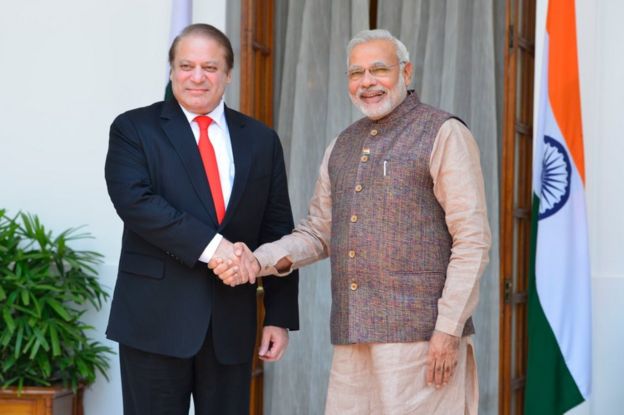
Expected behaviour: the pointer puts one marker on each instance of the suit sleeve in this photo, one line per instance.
(149, 215)
(281, 294)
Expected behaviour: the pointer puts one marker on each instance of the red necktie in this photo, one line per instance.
(210, 165)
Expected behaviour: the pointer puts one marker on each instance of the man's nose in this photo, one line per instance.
(198, 74)
(368, 79)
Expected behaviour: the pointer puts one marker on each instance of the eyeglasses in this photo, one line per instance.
(376, 71)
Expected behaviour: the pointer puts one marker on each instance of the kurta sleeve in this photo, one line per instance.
(458, 186)
(309, 241)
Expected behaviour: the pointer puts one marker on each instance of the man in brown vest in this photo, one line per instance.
(399, 206)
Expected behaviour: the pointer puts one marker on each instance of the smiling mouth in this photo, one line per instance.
(373, 96)
(196, 90)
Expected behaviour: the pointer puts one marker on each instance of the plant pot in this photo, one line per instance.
(54, 400)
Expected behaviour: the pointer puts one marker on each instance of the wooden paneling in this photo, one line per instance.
(256, 97)
(256, 100)
(516, 176)
(41, 401)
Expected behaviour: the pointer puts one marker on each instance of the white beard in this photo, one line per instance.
(392, 100)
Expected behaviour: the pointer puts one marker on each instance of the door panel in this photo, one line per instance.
(516, 176)
(256, 100)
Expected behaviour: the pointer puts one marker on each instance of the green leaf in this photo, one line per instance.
(35, 349)
(25, 297)
(82, 368)
(40, 334)
(8, 319)
(37, 305)
(5, 338)
(11, 298)
(26, 310)
(44, 364)
(56, 347)
(48, 287)
(58, 307)
(29, 344)
(2, 294)
(8, 363)
(19, 338)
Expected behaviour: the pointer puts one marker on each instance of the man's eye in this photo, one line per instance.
(379, 71)
(211, 69)
(185, 67)
(355, 73)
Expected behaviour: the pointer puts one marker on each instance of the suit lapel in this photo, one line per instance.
(242, 148)
(179, 132)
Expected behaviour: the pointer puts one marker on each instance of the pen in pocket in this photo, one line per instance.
(385, 169)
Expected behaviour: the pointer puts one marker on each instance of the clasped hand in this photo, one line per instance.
(234, 264)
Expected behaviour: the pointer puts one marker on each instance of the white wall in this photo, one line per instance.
(600, 37)
(68, 68)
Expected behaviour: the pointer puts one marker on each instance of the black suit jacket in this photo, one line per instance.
(165, 299)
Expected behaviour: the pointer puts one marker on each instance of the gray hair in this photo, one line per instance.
(378, 34)
(210, 32)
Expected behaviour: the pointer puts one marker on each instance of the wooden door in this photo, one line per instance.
(515, 212)
(256, 100)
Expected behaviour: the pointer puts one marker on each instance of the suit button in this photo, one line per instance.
(354, 286)
(353, 218)
(374, 132)
(358, 188)
(351, 254)
(364, 159)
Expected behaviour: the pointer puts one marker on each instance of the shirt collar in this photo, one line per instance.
(217, 114)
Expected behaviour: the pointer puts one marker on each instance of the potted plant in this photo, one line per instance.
(45, 287)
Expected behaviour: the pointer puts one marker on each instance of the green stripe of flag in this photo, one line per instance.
(550, 388)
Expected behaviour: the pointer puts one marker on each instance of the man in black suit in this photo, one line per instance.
(181, 331)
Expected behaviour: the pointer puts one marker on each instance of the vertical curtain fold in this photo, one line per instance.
(452, 48)
(313, 108)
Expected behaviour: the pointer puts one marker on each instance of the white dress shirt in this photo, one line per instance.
(219, 136)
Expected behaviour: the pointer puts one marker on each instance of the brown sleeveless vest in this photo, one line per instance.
(390, 246)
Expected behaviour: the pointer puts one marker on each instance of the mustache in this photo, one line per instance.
(361, 90)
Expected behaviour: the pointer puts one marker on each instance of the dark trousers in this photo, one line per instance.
(154, 384)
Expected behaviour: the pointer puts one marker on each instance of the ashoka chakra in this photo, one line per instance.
(556, 172)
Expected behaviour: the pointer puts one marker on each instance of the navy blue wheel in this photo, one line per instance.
(556, 173)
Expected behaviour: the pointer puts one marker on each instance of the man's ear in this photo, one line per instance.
(407, 73)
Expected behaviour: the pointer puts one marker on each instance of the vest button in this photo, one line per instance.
(358, 188)
(354, 218)
(364, 159)
(374, 132)
(354, 286)
(351, 254)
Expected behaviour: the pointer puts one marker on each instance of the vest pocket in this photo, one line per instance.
(427, 284)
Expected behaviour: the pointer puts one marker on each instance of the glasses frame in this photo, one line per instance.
(350, 75)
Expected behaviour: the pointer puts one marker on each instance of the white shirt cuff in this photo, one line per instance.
(210, 250)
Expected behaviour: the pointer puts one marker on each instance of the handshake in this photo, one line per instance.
(234, 264)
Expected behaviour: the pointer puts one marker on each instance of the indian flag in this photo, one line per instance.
(559, 315)
(181, 13)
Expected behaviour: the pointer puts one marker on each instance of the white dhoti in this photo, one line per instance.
(390, 379)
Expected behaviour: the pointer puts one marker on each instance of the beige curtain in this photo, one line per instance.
(458, 68)
(451, 44)
(313, 107)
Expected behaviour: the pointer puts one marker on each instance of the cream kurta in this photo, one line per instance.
(458, 186)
